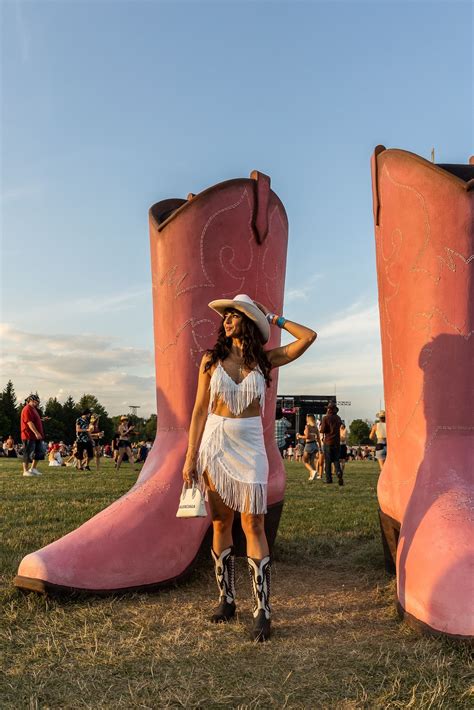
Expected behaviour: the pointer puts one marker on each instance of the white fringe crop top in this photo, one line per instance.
(237, 395)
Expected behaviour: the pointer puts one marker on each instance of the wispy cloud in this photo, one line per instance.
(22, 192)
(303, 291)
(346, 357)
(96, 304)
(124, 299)
(63, 364)
(354, 322)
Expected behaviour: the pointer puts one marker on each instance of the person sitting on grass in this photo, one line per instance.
(54, 456)
(72, 460)
(9, 448)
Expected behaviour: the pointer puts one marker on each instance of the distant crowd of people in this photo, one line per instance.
(87, 447)
(323, 447)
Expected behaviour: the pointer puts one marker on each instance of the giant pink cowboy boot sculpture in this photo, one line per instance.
(424, 230)
(229, 239)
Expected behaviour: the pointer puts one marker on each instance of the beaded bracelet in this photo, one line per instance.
(280, 321)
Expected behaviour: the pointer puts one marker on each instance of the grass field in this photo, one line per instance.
(337, 641)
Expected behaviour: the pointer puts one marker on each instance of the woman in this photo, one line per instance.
(379, 434)
(299, 448)
(312, 445)
(124, 443)
(9, 448)
(54, 456)
(226, 451)
(96, 435)
(343, 453)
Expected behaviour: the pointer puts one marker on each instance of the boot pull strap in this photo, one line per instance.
(470, 184)
(375, 185)
(261, 201)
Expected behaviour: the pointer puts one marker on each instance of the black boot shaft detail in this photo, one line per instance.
(260, 578)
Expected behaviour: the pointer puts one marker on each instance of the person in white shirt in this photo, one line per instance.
(54, 457)
(378, 433)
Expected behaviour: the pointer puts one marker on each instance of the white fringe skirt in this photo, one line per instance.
(233, 453)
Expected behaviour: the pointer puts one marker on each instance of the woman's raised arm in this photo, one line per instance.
(287, 353)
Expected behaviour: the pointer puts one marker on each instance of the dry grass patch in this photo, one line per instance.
(337, 642)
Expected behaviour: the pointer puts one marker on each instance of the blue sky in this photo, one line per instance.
(110, 106)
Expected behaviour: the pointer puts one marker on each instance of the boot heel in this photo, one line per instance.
(390, 530)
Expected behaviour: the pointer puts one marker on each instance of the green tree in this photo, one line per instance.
(150, 428)
(359, 432)
(9, 412)
(70, 415)
(54, 428)
(89, 401)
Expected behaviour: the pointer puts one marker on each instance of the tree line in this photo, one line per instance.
(62, 423)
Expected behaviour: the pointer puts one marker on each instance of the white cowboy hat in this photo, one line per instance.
(244, 303)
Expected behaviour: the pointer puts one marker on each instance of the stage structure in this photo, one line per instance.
(424, 233)
(295, 407)
(229, 239)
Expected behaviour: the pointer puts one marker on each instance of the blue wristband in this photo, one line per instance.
(280, 322)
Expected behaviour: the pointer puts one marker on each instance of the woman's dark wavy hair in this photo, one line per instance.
(252, 348)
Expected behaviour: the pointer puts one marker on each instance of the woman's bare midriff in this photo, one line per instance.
(222, 410)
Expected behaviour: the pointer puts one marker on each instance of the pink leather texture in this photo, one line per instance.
(424, 232)
(208, 248)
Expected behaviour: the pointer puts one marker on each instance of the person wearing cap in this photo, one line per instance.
(226, 451)
(124, 443)
(32, 435)
(331, 428)
(379, 434)
(85, 450)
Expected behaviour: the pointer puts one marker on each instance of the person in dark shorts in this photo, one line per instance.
(124, 444)
(331, 428)
(32, 435)
(343, 451)
(85, 447)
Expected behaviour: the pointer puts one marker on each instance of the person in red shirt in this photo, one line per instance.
(32, 435)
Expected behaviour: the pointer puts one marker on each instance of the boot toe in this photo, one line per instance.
(224, 613)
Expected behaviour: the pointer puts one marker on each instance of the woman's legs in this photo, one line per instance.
(254, 529)
(120, 455)
(222, 519)
(259, 563)
(222, 554)
(320, 465)
(308, 463)
(130, 457)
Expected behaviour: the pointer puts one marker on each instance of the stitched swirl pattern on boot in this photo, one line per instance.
(228, 239)
(424, 234)
(260, 576)
(225, 578)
